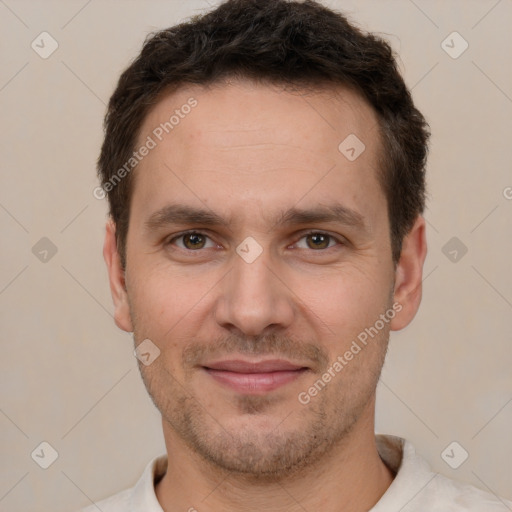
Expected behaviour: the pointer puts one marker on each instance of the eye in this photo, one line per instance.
(318, 240)
(192, 240)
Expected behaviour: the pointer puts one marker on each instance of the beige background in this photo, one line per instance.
(68, 374)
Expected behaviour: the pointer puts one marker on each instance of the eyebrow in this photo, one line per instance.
(185, 214)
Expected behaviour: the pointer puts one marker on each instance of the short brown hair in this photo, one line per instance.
(286, 42)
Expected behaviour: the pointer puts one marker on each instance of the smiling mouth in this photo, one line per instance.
(254, 377)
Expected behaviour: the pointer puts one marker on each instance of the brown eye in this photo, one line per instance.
(318, 240)
(193, 241)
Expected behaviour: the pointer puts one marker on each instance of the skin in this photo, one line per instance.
(248, 152)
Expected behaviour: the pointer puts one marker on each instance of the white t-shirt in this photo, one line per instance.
(416, 488)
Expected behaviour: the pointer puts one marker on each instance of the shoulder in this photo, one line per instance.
(416, 488)
(448, 495)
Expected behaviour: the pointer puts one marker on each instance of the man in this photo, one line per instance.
(264, 166)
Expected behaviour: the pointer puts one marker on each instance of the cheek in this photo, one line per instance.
(357, 337)
(162, 300)
(345, 302)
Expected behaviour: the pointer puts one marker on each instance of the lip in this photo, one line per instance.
(251, 377)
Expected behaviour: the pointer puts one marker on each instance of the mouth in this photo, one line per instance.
(255, 378)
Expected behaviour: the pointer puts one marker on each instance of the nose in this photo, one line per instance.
(253, 298)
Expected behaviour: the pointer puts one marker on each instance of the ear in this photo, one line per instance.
(409, 275)
(116, 279)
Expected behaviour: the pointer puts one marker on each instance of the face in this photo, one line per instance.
(259, 264)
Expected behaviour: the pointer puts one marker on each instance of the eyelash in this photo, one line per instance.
(312, 232)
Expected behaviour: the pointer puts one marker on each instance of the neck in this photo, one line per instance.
(350, 478)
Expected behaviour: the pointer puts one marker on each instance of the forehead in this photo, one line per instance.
(242, 110)
(252, 142)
